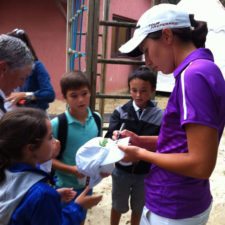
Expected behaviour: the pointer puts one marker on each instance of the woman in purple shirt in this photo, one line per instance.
(184, 154)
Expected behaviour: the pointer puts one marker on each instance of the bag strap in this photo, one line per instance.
(62, 132)
(98, 122)
(63, 129)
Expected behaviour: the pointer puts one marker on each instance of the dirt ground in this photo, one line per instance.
(100, 214)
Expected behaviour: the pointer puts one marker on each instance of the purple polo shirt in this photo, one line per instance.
(198, 97)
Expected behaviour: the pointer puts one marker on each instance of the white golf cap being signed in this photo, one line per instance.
(98, 156)
(156, 18)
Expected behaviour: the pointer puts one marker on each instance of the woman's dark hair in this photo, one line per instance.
(196, 33)
(19, 128)
(72, 81)
(22, 35)
(144, 73)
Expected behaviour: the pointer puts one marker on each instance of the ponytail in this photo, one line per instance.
(199, 32)
(4, 163)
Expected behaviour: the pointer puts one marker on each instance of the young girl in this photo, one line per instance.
(177, 190)
(25, 194)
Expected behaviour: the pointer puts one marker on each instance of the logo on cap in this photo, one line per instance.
(158, 24)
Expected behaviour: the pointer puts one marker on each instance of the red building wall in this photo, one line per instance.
(116, 75)
(46, 27)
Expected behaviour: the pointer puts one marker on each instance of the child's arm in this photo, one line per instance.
(87, 201)
(58, 165)
(57, 147)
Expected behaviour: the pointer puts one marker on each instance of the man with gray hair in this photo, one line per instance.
(16, 63)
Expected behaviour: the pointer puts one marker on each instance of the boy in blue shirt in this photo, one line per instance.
(81, 127)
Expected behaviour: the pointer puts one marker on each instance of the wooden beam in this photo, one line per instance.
(92, 47)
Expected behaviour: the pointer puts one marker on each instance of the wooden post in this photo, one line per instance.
(92, 47)
(104, 55)
(68, 33)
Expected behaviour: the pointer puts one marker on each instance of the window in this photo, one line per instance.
(166, 1)
(120, 35)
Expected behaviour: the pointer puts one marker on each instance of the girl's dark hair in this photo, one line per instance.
(143, 73)
(72, 81)
(196, 33)
(22, 35)
(19, 128)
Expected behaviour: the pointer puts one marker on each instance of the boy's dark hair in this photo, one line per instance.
(143, 73)
(72, 81)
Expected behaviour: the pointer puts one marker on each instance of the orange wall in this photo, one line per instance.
(116, 75)
(46, 27)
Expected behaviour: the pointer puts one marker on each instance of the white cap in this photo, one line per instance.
(92, 158)
(156, 18)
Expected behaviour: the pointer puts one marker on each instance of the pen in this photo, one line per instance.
(121, 128)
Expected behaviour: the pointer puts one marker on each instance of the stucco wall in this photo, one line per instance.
(46, 27)
(116, 75)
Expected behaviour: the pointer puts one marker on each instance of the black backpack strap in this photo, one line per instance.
(98, 122)
(62, 132)
(63, 129)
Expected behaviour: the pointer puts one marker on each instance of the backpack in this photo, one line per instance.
(62, 129)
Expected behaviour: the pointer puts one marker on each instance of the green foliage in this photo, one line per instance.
(103, 142)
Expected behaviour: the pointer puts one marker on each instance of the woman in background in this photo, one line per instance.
(37, 91)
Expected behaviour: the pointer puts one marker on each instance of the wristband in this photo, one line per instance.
(29, 95)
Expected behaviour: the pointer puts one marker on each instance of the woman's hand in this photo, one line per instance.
(132, 153)
(125, 133)
(87, 201)
(15, 97)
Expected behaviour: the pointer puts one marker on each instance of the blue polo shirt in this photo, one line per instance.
(77, 135)
(198, 97)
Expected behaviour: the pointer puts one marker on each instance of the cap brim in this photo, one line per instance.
(135, 53)
(131, 48)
